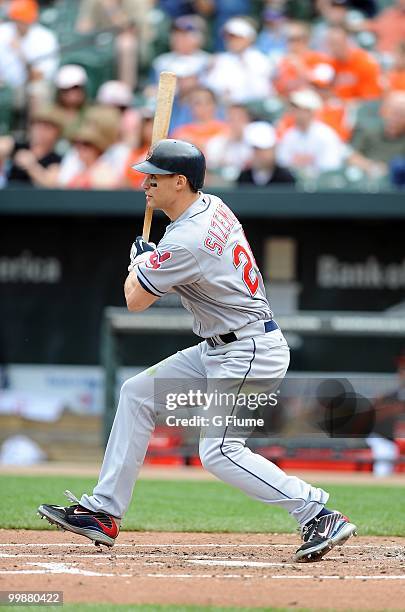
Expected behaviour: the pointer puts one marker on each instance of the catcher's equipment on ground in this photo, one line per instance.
(170, 156)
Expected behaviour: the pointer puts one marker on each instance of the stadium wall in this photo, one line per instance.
(63, 259)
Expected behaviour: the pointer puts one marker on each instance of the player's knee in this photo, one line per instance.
(214, 454)
(132, 387)
(209, 454)
(127, 388)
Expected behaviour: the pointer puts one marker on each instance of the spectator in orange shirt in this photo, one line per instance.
(389, 27)
(205, 125)
(395, 78)
(133, 178)
(358, 75)
(333, 112)
(293, 70)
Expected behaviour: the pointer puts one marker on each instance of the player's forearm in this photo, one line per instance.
(129, 286)
(136, 297)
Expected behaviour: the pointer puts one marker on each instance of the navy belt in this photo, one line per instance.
(232, 337)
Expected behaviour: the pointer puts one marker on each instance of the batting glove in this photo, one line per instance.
(140, 252)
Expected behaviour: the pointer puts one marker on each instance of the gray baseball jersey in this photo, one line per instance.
(205, 257)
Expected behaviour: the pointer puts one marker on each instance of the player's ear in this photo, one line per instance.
(181, 181)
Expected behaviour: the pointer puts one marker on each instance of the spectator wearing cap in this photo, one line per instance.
(242, 73)
(389, 27)
(187, 81)
(263, 169)
(228, 154)
(34, 162)
(333, 111)
(188, 74)
(133, 178)
(221, 12)
(130, 18)
(293, 70)
(272, 40)
(395, 76)
(218, 11)
(186, 41)
(29, 54)
(105, 121)
(205, 124)
(310, 147)
(358, 76)
(117, 95)
(71, 96)
(114, 100)
(95, 173)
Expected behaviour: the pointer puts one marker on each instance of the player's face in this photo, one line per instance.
(160, 190)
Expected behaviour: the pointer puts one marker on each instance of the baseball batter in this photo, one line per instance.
(205, 258)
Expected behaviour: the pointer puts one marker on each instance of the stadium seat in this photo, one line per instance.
(97, 58)
(61, 19)
(94, 52)
(6, 109)
(270, 109)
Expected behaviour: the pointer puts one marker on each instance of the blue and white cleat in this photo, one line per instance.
(323, 534)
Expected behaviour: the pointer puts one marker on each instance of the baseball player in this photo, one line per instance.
(205, 257)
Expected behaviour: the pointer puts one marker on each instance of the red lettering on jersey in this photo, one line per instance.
(213, 245)
(156, 259)
(223, 221)
(225, 235)
(227, 213)
(240, 254)
(217, 236)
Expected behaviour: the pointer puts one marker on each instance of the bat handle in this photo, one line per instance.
(147, 223)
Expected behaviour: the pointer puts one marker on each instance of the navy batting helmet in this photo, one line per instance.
(175, 157)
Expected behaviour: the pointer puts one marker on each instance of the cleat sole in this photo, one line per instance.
(97, 538)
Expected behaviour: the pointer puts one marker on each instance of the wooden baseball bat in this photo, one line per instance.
(161, 122)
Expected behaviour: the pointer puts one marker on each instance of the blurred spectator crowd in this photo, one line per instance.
(308, 92)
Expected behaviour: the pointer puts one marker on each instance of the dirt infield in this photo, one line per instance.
(206, 569)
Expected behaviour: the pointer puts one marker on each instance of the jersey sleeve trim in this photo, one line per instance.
(146, 284)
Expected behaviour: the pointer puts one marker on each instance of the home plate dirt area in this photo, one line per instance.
(367, 573)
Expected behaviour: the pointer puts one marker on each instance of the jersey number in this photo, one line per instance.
(242, 256)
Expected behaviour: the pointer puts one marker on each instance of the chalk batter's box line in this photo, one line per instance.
(135, 545)
(216, 576)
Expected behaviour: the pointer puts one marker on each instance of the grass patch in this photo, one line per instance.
(160, 505)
